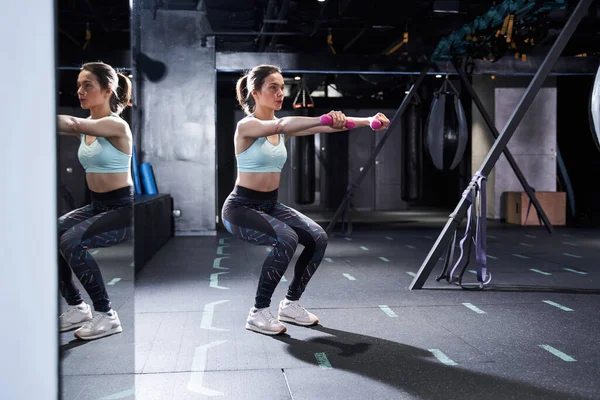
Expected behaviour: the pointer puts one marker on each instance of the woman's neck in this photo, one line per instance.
(100, 111)
(264, 114)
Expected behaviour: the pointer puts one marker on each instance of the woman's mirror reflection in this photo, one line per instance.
(104, 152)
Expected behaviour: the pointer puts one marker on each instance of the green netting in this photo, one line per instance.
(481, 39)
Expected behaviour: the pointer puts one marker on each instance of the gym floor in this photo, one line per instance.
(529, 335)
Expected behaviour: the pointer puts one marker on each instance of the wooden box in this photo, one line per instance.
(554, 205)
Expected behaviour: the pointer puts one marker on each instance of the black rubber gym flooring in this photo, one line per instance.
(531, 335)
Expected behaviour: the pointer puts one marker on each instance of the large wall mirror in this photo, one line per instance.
(95, 199)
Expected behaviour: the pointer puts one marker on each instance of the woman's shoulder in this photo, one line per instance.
(119, 120)
(247, 120)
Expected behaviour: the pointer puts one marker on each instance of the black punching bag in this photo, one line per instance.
(412, 153)
(447, 133)
(304, 152)
(595, 109)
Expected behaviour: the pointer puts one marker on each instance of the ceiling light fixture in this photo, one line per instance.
(446, 6)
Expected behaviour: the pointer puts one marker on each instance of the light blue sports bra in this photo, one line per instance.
(262, 156)
(101, 156)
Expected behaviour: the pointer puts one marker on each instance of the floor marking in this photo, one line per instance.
(364, 248)
(570, 244)
(217, 263)
(328, 259)
(572, 255)
(222, 241)
(444, 359)
(411, 273)
(115, 280)
(428, 237)
(207, 316)
(94, 252)
(268, 249)
(384, 259)
(492, 257)
(491, 236)
(283, 279)
(575, 271)
(323, 361)
(558, 305)
(474, 308)
(220, 251)
(539, 272)
(198, 367)
(389, 238)
(388, 311)
(531, 236)
(441, 258)
(557, 353)
(410, 246)
(520, 255)
(348, 239)
(350, 277)
(526, 244)
(214, 280)
(287, 383)
(121, 395)
(473, 271)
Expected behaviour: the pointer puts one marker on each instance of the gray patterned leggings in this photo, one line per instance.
(258, 218)
(106, 222)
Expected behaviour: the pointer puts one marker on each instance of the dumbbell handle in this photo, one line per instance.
(375, 124)
(327, 120)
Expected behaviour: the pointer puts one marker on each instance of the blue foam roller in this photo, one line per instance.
(137, 186)
(148, 182)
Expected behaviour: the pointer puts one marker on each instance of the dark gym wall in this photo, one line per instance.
(579, 152)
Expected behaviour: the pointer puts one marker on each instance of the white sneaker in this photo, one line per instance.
(74, 317)
(103, 324)
(292, 311)
(262, 321)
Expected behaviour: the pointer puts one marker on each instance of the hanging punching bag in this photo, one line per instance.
(447, 135)
(595, 110)
(412, 153)
(304, 152)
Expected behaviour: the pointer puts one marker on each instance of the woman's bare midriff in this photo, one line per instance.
(102, 183)
(259, 181)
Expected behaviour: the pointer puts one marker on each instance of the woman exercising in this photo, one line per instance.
(105, 153)
(252, 213)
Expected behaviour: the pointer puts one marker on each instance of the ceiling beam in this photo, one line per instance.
(377, 65)
(355, 38)
(343, 6)
(283, 15)
(269, 14)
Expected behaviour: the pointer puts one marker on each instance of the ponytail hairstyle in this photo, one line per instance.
(253, 80)
(118, 83)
